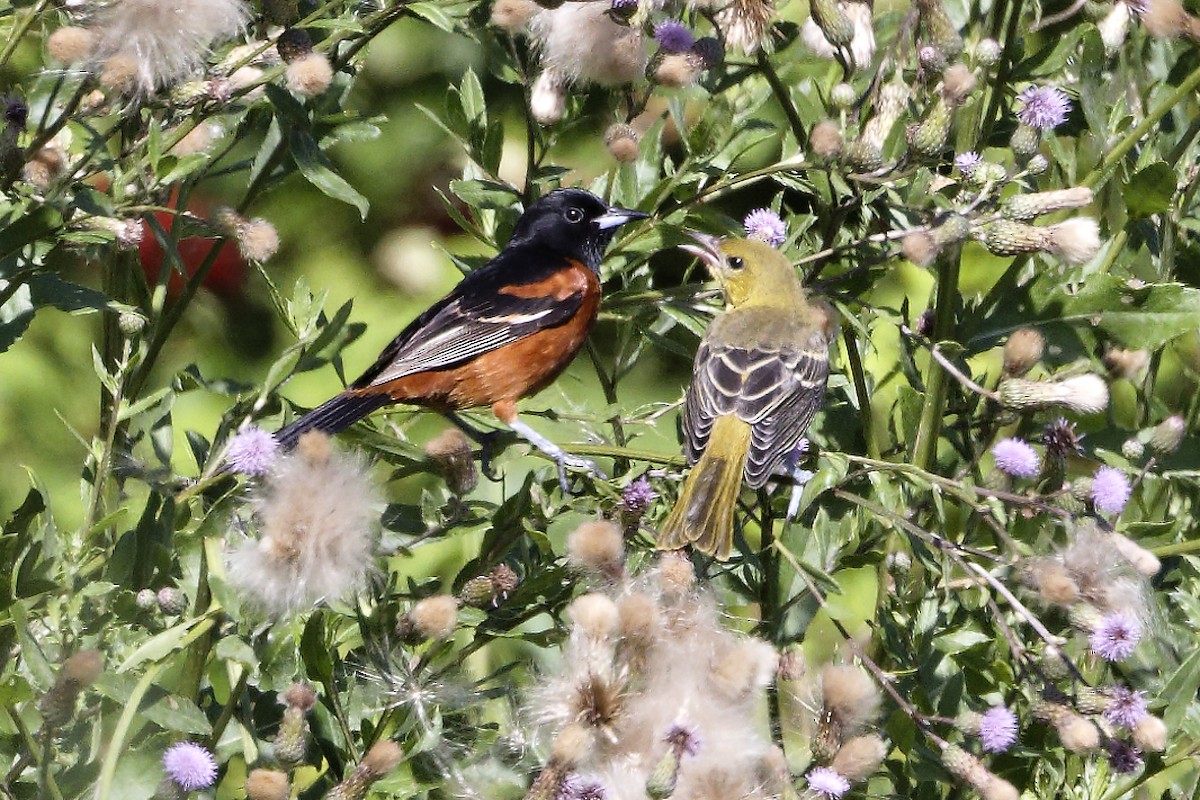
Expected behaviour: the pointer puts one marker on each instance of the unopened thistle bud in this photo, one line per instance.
(267, 784)
(1085, 617)
(381, 759)
(825, 140)
(171, 601)
(964, 766)
(131, 323)
(1008, 238)
(146, 599)
(490, 589)
(833, 22)
(1025, 207)
(843, 96)
(951, 229)
(929, 137)
(622, 143)
(988, 52)
(291, 740)
(937, 28)
(450, 452)
(1025, 141)
(80, 670)
(1133, 449)
(661, 783)
(1167, 435)
(1022, 350)
(888, 107)
(1037, 165)
(932, 62)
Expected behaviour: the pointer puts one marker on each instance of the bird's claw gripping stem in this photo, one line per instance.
(561, 458)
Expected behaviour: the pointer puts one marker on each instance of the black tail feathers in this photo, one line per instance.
(331, 416)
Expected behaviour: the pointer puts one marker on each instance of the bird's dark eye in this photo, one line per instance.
(736, 263)
(573, 214)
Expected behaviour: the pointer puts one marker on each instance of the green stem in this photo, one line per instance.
(1127, 142)
(17, 34)
(865, 417)
(116, 741)
(784, 98)
(924, 451)
(1177, 549)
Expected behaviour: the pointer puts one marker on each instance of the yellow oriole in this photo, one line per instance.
(758, 379)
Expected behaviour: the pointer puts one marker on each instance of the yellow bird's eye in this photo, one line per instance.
(736, 263)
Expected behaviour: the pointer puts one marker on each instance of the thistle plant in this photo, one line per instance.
(979, 577)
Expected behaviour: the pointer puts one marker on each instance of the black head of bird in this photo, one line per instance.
(573, 223)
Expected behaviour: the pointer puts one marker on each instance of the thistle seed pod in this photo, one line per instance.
(938, 30)
(929, 137)
(1166, 437)
(291, 741)
(833, 22)
(1022, 350)
(1008, 238)
(1025, 141)
(1023, 207)
(1084, 393)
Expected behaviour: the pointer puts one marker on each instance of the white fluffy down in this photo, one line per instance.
(315, 524)
(168, 39)
(581, 43)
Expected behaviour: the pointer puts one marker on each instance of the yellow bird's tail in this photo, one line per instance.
(703, 514)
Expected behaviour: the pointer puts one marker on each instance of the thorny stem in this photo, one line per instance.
(865, 417)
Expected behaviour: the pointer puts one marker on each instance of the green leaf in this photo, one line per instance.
(1180, 692)
(1150, 191)
(1146, 316)
(319, 172)
(47, 289)
(178, 714)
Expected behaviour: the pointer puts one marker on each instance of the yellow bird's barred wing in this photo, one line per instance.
(776, 388)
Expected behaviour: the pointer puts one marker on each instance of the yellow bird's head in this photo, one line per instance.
(750, 272)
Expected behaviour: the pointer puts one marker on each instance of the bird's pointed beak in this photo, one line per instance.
(707, 249)
(617, 216)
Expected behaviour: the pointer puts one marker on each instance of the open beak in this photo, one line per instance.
(617, 216)
(707, 249)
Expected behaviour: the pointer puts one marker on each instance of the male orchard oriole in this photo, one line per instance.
(505, 332)
(759, 377)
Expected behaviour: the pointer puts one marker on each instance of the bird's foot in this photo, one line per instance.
(799, 478)
(490, 443)
(561, 457)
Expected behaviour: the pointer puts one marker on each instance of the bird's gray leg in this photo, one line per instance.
(561, 457)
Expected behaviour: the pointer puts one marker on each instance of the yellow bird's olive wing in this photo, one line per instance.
(776, 388)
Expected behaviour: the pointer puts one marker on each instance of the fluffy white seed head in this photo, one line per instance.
(850, 695)
(581, 43)
(310, 75)
(597, 547)
(1151, 734)
(748, 666)
(513, 15)
(435, 617)
(70, 45)
(1078, 734)
(860, 757)
(1076, 241)
(548, 98)
(594, 615)
(165, 40)
(316, 512)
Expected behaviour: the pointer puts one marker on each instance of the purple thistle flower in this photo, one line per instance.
(1043, 107)
(968, 162)
(624, 5)
(1110, 490)
(766, 226)
(1126, 707)
(673, 36)
(580, 787)
(190, 766)
(1115, 638)
(827, 783)
(251, 451)
(637, 496)
(997, 729)
(1123, 757)
(684, 739)
(1015, 457)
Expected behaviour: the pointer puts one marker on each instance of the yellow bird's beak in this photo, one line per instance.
(707, 249)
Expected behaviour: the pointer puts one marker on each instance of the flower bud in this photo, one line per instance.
(661, 783)
(146, 599)
(833, 22)
(1024, 207)
(951, 229)
(937, 29)
(171, 601)
(58, 704)
(1025, 141)
(293, 44)
(919, 248)
(1007, 238)
(291, 740)
(890, 104)
(675, 70)
(382, 758)
(1133, 449)
(843, 96)
(988, 52)
(929, 137)
(1037, 165)
(1084, 393)
(131, 323)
